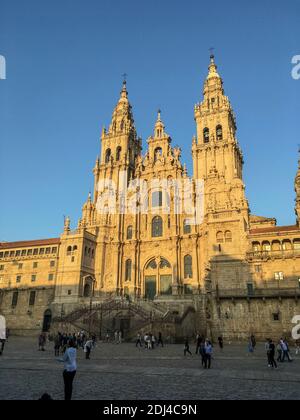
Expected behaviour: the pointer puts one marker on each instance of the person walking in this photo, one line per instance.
(202, 353)
(208, 354)
(187, 347)
(88, 348)
(138, 341)
(56, 345)
(271, 355)
(250, 347)
(297, 347)
(2, 336)
(120, 336)
(149, 341)
(253, 341)
(198, 342)
(153, 341)
(42, 342)
(285, 351)
(160, 340)
(70, 368)
(221, 343)
(279, 352)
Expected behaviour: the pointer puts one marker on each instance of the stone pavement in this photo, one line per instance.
(117, 372)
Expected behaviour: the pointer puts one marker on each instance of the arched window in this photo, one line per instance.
(129, 232)
(256, 247)
(107, 156)
(206, 135)
(276, 246)
(220, 237)
(228, 236)
(164, 263)
(188, 267)
(152, 264)
(187, 229)
(266, 246)
(87, 290)
(118, 154)
(297, 244)
(219, 132)
(85, 250)
(287, 245)
(157, 227)
(128, 269)
(74, 248)
(69, 250)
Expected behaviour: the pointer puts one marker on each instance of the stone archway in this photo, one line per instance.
(87, 290)
(47, 320)
(88, 284)
(158, 278)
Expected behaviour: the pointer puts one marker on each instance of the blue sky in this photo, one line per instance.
(64, 65)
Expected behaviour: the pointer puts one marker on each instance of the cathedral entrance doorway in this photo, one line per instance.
(150, 287)
(47, 320)
(158, 278)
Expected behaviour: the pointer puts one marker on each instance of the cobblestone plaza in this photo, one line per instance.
(123, 372)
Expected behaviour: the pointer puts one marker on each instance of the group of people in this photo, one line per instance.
(283, 352)
(61, 341)
(79, 340)
(149, 341)
(204, 348)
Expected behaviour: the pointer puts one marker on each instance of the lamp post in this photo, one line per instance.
(91, 305)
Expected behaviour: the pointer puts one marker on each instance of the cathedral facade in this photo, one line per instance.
(156, 248)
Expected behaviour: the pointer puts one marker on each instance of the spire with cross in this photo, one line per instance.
(124, 75)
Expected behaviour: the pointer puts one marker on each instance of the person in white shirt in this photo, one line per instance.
(88, 348)
(2, 334)
(70, 368)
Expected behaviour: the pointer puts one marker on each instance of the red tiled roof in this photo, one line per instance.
(275, 229)
(25, 244)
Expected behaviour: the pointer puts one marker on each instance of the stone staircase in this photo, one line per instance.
(142, 316)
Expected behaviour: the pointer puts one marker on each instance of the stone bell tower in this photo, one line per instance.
(218, 161)
(217, 157)
(120, 145)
